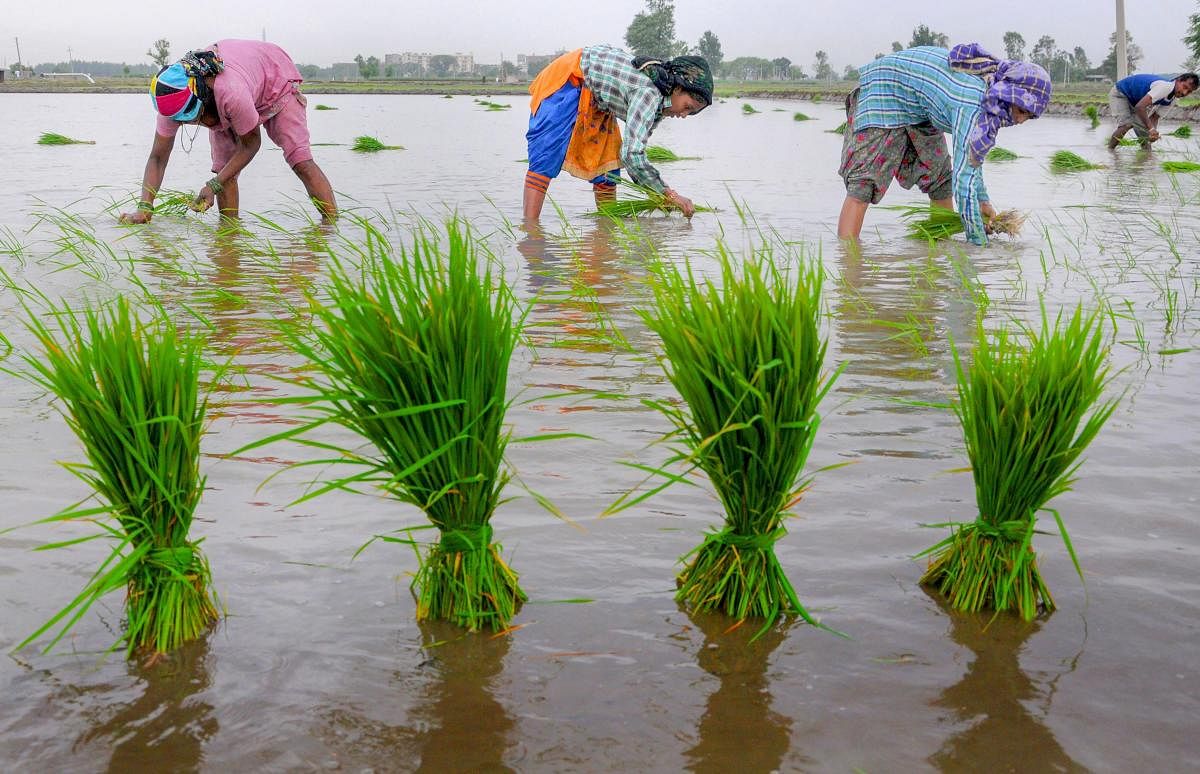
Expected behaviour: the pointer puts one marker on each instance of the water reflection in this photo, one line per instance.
(738, 730)
(165, 727)
(1000, 709)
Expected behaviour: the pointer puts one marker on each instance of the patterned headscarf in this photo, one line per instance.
(691, 73)
(179, 90)
(1008, 83)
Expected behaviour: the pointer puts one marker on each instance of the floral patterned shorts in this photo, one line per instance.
(911, 155)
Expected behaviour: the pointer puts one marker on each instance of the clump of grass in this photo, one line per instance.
(50, 138)
(1181, 166)
(1066, 161)
(645, 200)
(801, 117)
(324, 107)
(1183, 131)
(747, 357)
(1093, 113)
(660, 154)
(839, 129)
(131, 393)
(367, 144)
(411, 353)
(748, 109)
(1028, 407)
(1001, 154)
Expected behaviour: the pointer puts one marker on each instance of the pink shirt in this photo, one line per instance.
(256, 78)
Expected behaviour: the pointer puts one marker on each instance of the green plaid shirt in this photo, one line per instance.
(631, 96)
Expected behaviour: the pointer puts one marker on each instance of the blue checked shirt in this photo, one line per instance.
(631, 96)
(917, 85)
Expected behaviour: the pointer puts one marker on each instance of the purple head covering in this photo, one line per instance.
(1009, 83)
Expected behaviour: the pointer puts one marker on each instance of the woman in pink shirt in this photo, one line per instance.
(233, 88)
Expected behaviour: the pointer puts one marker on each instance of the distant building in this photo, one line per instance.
(464, 64)
(1, 75)
(345, 71)
(532, 64)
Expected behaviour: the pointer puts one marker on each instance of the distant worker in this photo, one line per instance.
(1134, 103)
(897, 116)
(573, 114)
(233, 87)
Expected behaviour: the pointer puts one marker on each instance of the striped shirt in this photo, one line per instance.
(631, 96)
(917, 85)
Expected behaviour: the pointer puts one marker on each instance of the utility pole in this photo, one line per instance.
(70, 58)
(1122, 50)
(18, 42)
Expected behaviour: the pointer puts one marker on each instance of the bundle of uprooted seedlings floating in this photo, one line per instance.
(1066, 161)
(131, 391)
(839, 129)
(51, 138)
(324, 107)
(746, 354)
(367, 144)
(801, 117)
(1028, 405)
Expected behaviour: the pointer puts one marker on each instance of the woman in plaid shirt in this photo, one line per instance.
(576, 102)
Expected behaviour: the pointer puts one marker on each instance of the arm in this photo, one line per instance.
(152, 177)
(247, 148)
(1142, 108)
(641, 118)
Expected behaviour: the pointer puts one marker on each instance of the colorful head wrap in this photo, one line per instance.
(691, 73)
(1009, 83)
(179, 90)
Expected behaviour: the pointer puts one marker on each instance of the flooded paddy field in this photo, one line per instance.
(320, 664)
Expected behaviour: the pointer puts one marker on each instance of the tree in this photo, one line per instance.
(1014, 45)
(440, 65)
(1192, 38)
(850, 73)
(1044, 52)
(824, 72)
(897, 46)
(923, 36)
(535, 64)
(160, 52)
(1133, 53)
(710, 49)
(367, 68)
(309, 71)
(783, 67)
(388, 73)
(1080, 65)
(652, 32)
(879, 55)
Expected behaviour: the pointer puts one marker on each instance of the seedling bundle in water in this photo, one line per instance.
(749, 109)
(801, 117)
(1181, 166)
(493, 105)
(131, 392)
(50, 138)
(1183, 131)
(747, 359)
(1027, 410)
(367, 144)
(1066, 161)
(934, 223)
(660, 154)
(1001, 154)
(839, 129)
(647, 200)
(324, 107)
(1093, 113)
(411, 353)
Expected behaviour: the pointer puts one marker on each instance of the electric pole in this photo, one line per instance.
(1122, 50)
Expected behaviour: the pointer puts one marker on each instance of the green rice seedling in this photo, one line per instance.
(1001, 154)
(324, 107)
(747, 358)
(1093, 114)
(493, 105)
(839, 129)
(131, 393)
(646, 200)
(1181, 166)
(1066, 161)
(411, 353)
(660, 154)
(935, 223)
(1128, 142)
(1183, 131)
(367, 144)
(801, 117)
(50, 138)
(748, 109)
(1028, 407)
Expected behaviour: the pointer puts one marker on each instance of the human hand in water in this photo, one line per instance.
(136, 218)
(203, 200)
(680, 201)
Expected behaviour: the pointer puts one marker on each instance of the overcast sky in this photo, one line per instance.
(325, 32)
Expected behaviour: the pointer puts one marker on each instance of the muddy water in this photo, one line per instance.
(320, 665)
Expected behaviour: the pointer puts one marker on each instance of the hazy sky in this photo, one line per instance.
(324, 32)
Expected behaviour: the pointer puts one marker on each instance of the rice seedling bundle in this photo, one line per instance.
(367, 144)
(646, 200)
(747, 358)
(1001, 154)
(412, 353)
(801, 117)
(1066, 161)
(493, 105)
(1027, 409)
(50, 138)
(1093, 113)
(839, 129)
(660, 154)
(324, 107)
(1183, 131)
(748, 109)
(131, 392)
(1181, 166)
(934, 223)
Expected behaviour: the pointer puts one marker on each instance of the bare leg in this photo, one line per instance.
(1117, 134)
(850, 221)
(318, 187)
(945, 204)
(228, 200)
(604, 193)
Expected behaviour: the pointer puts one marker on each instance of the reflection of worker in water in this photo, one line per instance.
(896, 118)
(1134, 103)
(576, 102)
(232, 88)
